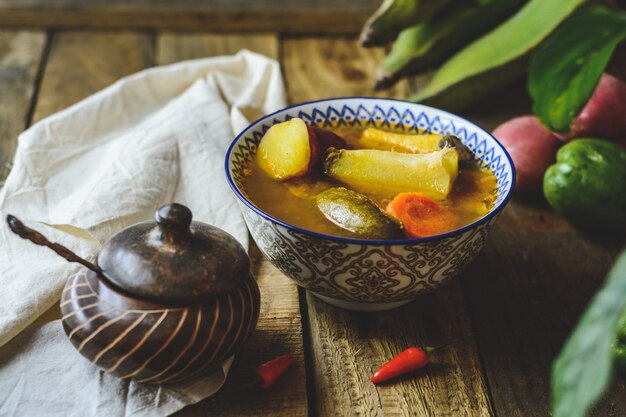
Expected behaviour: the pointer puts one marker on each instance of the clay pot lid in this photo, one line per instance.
(174, 259)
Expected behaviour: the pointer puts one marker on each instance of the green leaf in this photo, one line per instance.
(566, 68)
(583, 369)
(497, 57)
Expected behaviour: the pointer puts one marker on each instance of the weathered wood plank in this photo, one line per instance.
(21, 55)
(317, 68)
(301, 16)
(82, 63)
(526, 291)
(173, 47)
(347, 347)
(280, 325)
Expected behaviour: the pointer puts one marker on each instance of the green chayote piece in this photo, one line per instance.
(356, 213)
(587, 185)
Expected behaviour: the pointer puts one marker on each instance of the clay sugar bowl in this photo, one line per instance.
(357, 273)
(166, 300)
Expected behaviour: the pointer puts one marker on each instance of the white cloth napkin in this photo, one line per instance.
(155, 137)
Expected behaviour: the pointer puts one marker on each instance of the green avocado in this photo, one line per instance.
(587, 185)
(356, 213)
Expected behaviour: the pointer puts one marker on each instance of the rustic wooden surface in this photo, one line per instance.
(317, 68)
(525, 293)
(21, 55)
(295, 16)
(81, 63)
(517, 302)
(174, 47)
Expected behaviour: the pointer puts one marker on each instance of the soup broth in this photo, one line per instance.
(292, 201)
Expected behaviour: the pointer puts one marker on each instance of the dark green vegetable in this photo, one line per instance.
(395, 15)
(357, 213)
(428, 44)
(619, 346)
(587, 185)
(583, 369)
(566, 68)
(497, 58)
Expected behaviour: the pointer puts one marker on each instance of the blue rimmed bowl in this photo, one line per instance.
(369, 275)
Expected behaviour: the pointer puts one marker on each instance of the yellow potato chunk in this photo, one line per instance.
(373, 138)
(285, 151)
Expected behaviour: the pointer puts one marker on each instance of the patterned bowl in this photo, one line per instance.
(369, 275)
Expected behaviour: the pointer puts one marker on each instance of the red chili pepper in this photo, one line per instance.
(271, 371)
(406, 361)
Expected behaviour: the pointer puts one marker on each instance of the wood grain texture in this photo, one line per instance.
(279, 330)
(316, 16)
(82, 63)
(174, 47)
(347, 347)
(317, 68)
(21, 54)
(526, 292)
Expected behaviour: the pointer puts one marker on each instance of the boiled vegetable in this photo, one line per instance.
(291, 149)
(532, 148)
(285, 150)
(484, 194)
(325, 139)
(373, 138)
(497, 58)
(566, 68)
(604, 115)
(395, 15)
(421, 216)
(390, 173)
(429, 44)
(293, 200)
(587, 185)
(356, 213)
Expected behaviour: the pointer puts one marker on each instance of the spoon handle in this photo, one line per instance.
(37, 238)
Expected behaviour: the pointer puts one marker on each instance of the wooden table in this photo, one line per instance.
(518, 301)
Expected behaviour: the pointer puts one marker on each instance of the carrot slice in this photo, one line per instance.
(421, 215)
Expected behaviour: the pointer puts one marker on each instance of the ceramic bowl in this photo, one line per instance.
(369, 275)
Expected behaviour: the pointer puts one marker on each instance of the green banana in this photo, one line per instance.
(426, 45)
(395, 15)
(497, 58)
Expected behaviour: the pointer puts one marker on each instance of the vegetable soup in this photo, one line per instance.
(367, 183)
